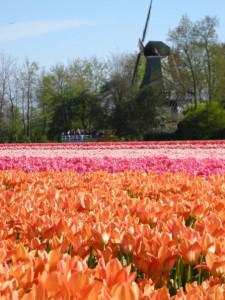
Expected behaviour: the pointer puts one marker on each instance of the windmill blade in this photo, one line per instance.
(173, 64)
(141, 46)
(136, 67)
(147, 22)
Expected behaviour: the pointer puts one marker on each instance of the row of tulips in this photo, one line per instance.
(130, 235)
(119, 145)
(168, 151)
(192, 166)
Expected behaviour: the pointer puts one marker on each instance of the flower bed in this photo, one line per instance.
(204, 167)
(112, 228)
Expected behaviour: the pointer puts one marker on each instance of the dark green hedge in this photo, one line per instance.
(206, 121)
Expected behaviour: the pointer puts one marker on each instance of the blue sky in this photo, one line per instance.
(55, 31)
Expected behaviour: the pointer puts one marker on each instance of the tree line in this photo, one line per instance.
(38, 105)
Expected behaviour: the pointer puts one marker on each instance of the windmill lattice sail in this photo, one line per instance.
(141, 41)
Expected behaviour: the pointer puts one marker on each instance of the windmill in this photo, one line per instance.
(153, 52)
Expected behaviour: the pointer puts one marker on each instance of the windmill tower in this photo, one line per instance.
(154, 52)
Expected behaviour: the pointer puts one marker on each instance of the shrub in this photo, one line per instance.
(206, 121)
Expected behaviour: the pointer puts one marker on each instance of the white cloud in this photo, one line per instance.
(15, 31)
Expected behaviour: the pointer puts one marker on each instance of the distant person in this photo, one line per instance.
(78, 131)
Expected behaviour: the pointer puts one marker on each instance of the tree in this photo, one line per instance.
(10, 115)
(6, 64)
(184, 48)
(29, 79)
(14, 114)
(205, 35)
(117, 92)
(193, 55)
(68, 97)
(218, 73)
(144, 108)
(88, 74)
(54, 96)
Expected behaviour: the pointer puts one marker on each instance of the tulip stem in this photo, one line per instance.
(189, 273)
(200, 271)
(178, 273)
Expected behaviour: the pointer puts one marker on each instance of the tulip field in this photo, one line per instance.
(112, 221)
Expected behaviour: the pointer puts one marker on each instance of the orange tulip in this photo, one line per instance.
(126, 291)
(216, 263)
(190, 252)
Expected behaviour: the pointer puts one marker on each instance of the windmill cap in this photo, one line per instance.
(156, 48)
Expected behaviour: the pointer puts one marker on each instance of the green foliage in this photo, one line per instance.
(218, 64)
(143, 111)
(68, 98)
(135, 117)
(190, 221)
(206, 121)
(92, 261)
(82, 110)
(11, 127)
(183, 273)
(192, 67)
(125, 259)
(48, 247)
